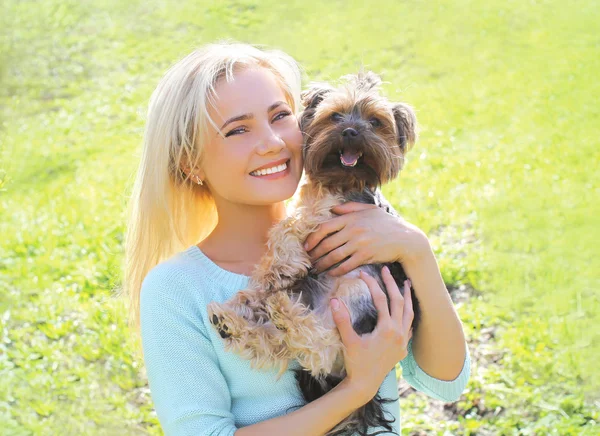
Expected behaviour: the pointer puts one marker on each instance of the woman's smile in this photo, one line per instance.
(274, 172)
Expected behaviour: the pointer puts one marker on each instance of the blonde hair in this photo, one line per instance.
(167, 212)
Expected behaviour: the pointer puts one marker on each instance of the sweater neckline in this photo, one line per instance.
(228, 278)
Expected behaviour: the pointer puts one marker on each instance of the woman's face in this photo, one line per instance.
(259, 131)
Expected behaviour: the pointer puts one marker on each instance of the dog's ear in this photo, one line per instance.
(310, 100)
(314, 95)
(406, 125)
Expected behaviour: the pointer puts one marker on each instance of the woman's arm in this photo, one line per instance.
(189, 392)
(438, 344)
(363, 233)
(315, 418)
(447, 391)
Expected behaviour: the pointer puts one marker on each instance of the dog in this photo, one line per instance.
(355, 140)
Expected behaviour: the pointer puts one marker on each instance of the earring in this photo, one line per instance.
(199, 181)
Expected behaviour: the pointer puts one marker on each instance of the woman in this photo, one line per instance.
(199, 217)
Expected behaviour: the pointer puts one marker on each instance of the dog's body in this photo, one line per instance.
(285, 314)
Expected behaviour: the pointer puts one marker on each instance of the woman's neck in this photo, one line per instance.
(241, 234)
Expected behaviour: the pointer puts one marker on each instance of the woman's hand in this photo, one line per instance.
(370, 357)
(366, 234)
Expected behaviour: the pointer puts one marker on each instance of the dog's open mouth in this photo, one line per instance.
(349, 158)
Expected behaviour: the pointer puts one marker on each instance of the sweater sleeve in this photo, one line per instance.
(189, 392)
(447, 391)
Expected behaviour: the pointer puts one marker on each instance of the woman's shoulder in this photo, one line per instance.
(177, 278)
(191, 279)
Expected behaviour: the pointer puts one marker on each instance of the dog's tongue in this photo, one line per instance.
(349, 158)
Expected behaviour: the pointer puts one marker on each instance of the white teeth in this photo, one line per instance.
(271, 170)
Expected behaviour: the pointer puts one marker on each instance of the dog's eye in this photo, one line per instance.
(336, 117)
(375, 122)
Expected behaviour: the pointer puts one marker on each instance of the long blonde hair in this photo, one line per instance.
(167, 212)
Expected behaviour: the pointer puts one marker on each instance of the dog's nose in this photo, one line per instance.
(349, 132)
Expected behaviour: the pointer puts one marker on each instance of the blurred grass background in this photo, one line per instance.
(504, 180)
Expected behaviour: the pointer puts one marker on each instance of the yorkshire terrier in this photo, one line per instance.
(355, 141)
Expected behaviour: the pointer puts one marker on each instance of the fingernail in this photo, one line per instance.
(335, 304)
(306, 246)
(386, 269)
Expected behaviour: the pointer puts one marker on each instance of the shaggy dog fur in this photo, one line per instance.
(355, 140)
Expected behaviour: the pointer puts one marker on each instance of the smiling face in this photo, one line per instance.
(255, 157)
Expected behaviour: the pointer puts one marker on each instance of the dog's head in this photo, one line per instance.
(354, 137)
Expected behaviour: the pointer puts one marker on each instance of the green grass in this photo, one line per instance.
(502, 180)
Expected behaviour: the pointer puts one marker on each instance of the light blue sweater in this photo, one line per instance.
(197, 387)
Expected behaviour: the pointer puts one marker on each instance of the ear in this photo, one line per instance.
(406, 125)
(310, 100)
(186, 169)
(315, 95)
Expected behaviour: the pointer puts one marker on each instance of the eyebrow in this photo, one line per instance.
(251, 116)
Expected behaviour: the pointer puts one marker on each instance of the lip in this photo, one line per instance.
(272, 164)
(275, 176)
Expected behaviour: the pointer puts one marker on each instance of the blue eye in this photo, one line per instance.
(243, 129)
(235, 131)
(282, 115)
(336, 117)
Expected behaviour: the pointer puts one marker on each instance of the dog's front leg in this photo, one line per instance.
(286, 260)
(235, 316)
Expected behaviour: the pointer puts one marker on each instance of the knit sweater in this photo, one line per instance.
(200, 389)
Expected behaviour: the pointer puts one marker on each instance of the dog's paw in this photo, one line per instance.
(278, 320)
(227, 323)
(218, 321)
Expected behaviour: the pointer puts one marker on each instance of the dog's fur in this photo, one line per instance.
(285, 313)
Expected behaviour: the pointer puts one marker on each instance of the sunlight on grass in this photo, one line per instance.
(504, 181)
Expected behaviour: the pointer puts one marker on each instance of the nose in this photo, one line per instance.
(270, 143)
(349, 133)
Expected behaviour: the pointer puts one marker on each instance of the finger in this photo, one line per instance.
(337, 255)
(341, 317)
(326, 228)
(328, 244)
(334, 257)
(353, 262)
(396, 299)
(351, 206)
(379, 299)
(408, 313)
